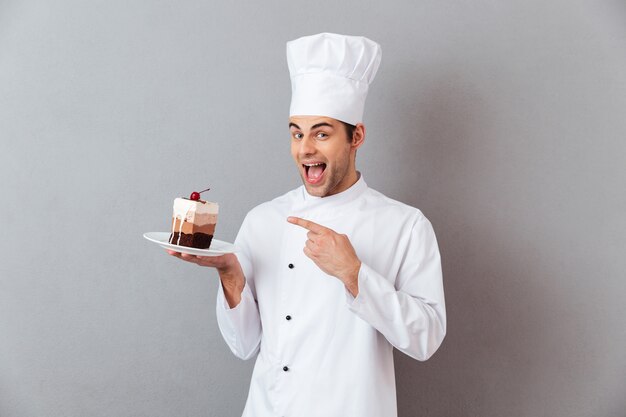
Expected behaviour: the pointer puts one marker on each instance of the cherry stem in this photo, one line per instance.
(204, 191)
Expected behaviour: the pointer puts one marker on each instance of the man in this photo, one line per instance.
(332, 275)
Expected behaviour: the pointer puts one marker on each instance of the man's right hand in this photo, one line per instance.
(229, 269)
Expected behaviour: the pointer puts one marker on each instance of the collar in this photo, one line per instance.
(312, 206)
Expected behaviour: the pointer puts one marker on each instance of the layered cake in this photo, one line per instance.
(193, 222)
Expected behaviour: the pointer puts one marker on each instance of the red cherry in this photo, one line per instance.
(196, 195)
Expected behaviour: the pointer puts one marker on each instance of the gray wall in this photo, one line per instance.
(503, 121)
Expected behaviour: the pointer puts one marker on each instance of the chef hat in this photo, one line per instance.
(330, 75)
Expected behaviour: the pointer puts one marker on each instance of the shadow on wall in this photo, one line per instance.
(498, 314)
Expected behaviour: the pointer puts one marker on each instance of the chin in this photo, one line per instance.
(316, 192)
(319, 191)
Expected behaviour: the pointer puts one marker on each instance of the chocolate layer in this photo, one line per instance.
(189, 228)
(195, 240)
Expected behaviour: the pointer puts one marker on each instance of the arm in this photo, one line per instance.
(236, 309)
(238, 314)
(408, 309)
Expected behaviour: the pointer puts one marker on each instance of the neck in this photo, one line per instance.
(348, 181)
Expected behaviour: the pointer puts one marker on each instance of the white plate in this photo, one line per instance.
(218, 247)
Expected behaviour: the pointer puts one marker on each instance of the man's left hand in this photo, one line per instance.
(332, 253)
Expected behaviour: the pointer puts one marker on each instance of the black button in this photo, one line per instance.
(288, 317)
(290, 266)
(285, 368)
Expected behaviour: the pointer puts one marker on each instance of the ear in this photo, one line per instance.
(359, 136)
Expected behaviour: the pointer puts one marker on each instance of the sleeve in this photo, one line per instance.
(410, 309)
(241, 325)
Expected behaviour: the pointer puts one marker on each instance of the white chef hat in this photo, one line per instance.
(330, 75)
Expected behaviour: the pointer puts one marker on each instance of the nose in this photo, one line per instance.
(307, 147)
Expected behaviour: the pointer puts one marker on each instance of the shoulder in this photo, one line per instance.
(266, 219)
(407, 222)
(276, 206)
(391, 208)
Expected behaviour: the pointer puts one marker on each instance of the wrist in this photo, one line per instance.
(351, 280)
(231, 275)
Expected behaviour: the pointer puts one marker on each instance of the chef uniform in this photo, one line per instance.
(321, 351)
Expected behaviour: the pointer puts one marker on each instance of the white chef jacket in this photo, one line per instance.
(321, 351)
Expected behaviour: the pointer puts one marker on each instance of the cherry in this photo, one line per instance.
(196, 195)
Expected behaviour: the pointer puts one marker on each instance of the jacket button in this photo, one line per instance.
(285, 368)
(290, 266)
(288, 317)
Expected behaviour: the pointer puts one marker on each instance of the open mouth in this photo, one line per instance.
(314, 171)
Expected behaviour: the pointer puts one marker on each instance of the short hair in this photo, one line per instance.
(349, 130)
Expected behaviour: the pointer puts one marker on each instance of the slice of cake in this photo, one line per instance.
(193, 222)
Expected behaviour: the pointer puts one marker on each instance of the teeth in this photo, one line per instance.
(313, 165)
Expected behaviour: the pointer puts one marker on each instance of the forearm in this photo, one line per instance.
(414, 325)
(233, 284)
(240, 324)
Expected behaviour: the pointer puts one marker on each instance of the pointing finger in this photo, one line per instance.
(307, 224)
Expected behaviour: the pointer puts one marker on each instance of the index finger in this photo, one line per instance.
(307, 224)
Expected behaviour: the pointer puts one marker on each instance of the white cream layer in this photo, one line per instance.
(189, 209)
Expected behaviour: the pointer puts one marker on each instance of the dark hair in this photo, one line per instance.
(349, 130)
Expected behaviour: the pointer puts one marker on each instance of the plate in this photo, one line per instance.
(218, 247)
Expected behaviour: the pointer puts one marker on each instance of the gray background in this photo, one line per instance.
(503, 121)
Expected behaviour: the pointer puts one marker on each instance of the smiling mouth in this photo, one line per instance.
(313, 172)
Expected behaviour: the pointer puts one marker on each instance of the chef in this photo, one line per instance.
(333, 275)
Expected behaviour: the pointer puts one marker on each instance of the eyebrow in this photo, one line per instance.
(320, 125)
(315, 126)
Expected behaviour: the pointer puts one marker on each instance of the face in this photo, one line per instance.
(323, 153)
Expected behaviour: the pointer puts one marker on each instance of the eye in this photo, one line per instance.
(321, 135)
(297, 135)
